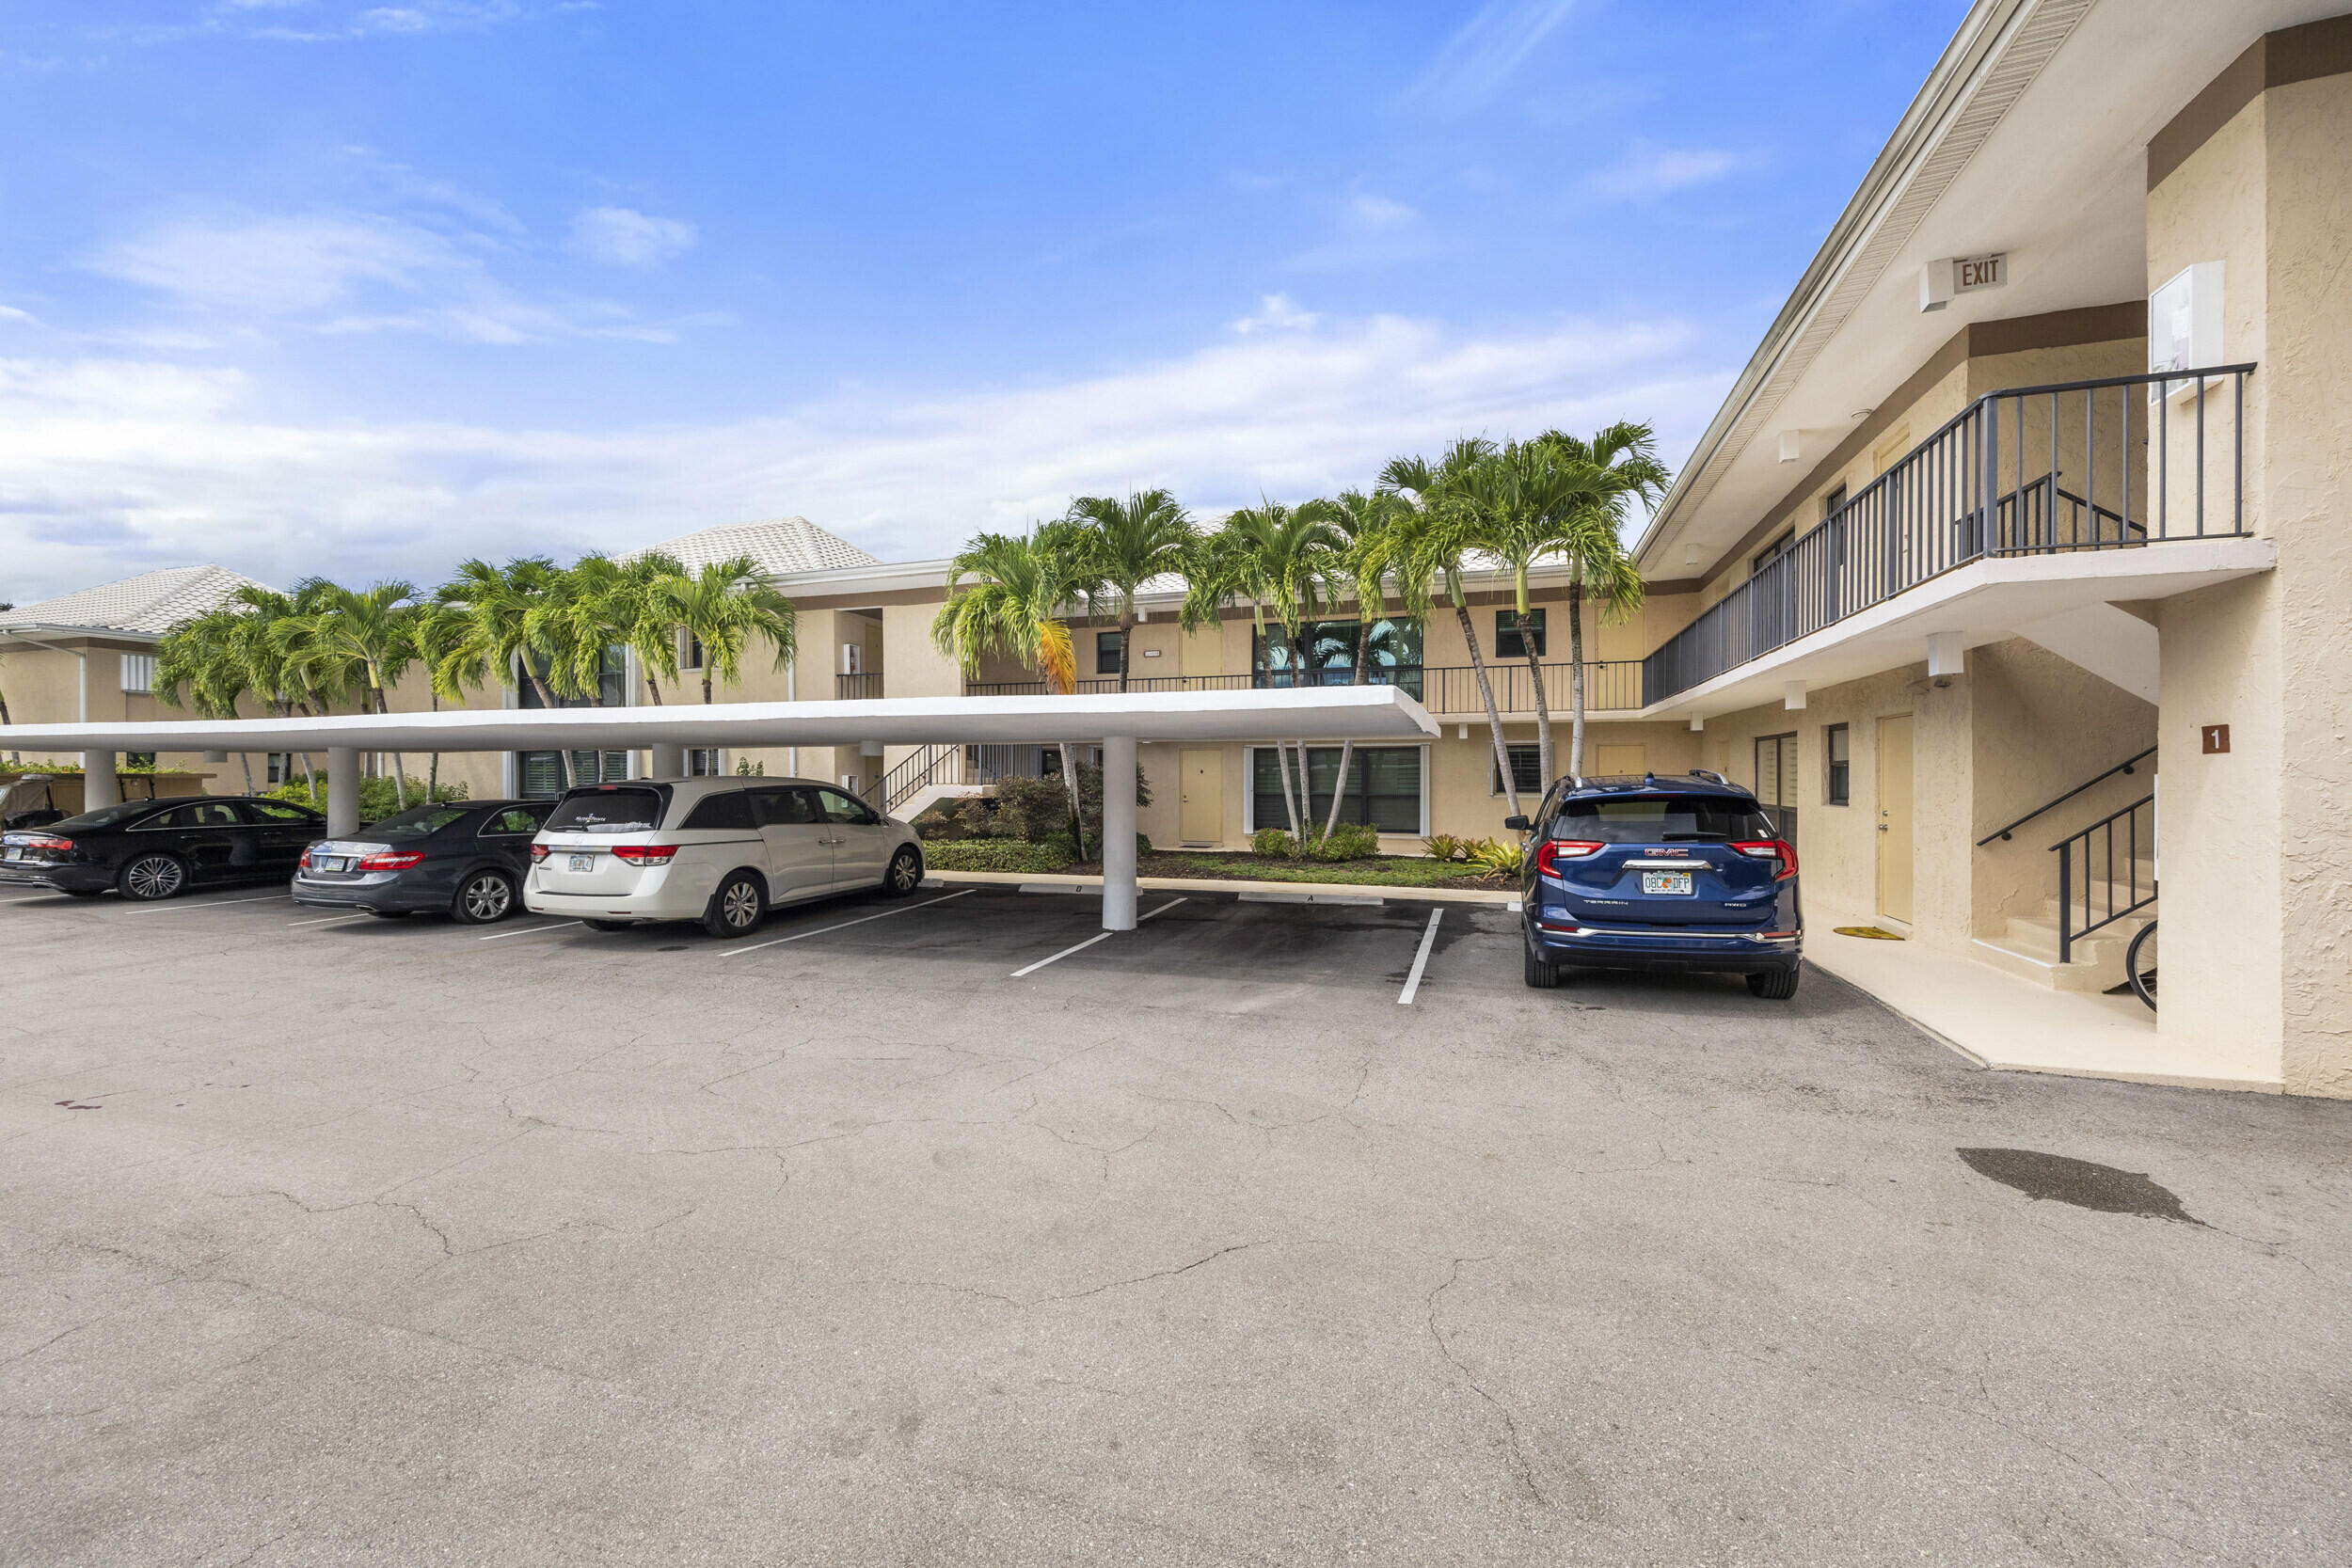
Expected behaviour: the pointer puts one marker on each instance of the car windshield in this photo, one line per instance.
(1658, 819)
(417, 822)
(104, 816)
(607, 811)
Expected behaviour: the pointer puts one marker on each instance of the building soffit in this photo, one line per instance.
(2000, 49)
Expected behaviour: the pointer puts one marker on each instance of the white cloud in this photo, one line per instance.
(623, 237)
(1473, 65)
(1276, 313)
(114, 467)
(344, 272)
(1653, 171)
(1380, 213)
(11, 313)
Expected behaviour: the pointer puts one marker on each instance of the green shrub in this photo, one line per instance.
(377, 798)
(1274, 844)
(937, 823)
(1349, 841)
(1445, 846)
(996, 854)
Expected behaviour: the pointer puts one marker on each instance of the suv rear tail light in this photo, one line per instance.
(539, 852)
(644, 854)
(1773, 849)
(1552, 851)
(397, 860)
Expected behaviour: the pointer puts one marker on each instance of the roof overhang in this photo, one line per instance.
(1328, 713)
(2029, 137)
(39, 634)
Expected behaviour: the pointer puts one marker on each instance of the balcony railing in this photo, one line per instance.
(2086, 465)
(1442, 688)
(851, 688)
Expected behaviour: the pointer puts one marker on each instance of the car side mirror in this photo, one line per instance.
(1518, 824)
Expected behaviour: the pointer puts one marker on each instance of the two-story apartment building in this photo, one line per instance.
(2014, 568)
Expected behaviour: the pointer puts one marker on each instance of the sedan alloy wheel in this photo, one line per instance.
(486, 898)
(152, 876)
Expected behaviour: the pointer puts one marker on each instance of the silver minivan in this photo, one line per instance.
(721, 851)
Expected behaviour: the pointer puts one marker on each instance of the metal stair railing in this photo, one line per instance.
(2106, 896)
(2129, 765)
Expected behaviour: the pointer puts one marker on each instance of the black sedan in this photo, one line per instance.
(148, 849)
(463, 858)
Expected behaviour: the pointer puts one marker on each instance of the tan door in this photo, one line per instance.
(1610, 761)
(1895, 817)
(1202, 817)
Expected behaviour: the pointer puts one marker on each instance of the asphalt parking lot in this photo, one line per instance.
(938, 1231)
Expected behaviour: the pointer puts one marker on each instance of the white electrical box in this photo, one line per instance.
(849, 783)
(2185, 325)
(853, 658)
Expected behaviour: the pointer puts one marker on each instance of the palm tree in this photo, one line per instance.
(1364, 523)
(1013, 595)
(491, 610)
(203, 655)
(273, 678)
(1430, 543)
(356, 640)
(1130, 542)
(1619, 464)
(726, 606)
(638, 614)
(1285, 559)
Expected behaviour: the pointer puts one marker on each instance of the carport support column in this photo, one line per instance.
(100, 786)
(343, 791)
(1119, 833)
(665, 759)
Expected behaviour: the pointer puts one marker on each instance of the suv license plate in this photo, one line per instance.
(583, 863)
(1666, 881)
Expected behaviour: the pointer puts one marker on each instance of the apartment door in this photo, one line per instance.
(1894, 843)
(1202, 814)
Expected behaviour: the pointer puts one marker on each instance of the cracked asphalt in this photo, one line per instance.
(382, 1242)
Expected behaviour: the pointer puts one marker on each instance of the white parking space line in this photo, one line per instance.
(43, 898)
(903, 909)
(1420, 960)
(208, 904)
(329, 919)
(1091, 941)
(527, 930)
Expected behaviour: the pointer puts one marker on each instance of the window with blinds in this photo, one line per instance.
(138, 671)
(1776, 780)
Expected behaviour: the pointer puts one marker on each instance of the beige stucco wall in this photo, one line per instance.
(2255, 861)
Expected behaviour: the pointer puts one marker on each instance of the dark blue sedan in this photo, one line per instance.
(1683, 874)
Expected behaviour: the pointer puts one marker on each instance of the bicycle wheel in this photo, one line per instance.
(2139, 963)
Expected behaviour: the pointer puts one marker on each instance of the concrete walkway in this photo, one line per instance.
(2012, 1024)
(1499, 898)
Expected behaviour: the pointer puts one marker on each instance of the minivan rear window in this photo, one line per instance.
(607, 811)
(1658, 819)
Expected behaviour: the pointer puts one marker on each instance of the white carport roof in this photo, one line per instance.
(1319, 713)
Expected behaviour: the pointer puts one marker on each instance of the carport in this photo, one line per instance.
(1118, 722)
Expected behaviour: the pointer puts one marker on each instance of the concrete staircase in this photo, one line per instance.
(2028, 945)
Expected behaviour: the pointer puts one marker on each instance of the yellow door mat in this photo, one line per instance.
(1871, 931)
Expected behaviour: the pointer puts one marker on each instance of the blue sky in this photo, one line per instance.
(360, 289)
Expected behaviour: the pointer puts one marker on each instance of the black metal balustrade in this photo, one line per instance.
(2117, 463)
(851, 688)
(2100, 875)
(949, 763)
(1445, 689)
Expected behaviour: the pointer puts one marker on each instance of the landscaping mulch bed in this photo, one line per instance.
(1376, 871)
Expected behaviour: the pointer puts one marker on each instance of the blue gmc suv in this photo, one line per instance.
(1682, 874)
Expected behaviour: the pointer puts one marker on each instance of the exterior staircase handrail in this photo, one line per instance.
(2127, 766)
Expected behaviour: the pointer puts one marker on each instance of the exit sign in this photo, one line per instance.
(1971, 273)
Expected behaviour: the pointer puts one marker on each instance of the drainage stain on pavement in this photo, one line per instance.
(2062, 1180)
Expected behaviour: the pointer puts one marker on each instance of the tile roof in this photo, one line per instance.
(148, 603)
(781, 545)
